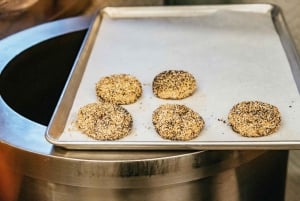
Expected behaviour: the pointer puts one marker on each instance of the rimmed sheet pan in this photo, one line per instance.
(236, 53)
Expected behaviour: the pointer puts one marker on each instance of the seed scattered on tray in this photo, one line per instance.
(222, 120)
(254, 118)
(121, 89)
(104, 121)
(174, 84)
(177, 122)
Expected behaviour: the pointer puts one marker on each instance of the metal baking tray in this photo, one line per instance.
(236, 53)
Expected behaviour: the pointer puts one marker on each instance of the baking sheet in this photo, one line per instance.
(235, 52)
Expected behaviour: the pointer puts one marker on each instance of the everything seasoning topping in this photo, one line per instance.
(177, 122)
(119, 89)
(174, 84)
(254, 118)
(104, 121)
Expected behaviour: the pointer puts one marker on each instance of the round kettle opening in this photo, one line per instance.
(32, 82)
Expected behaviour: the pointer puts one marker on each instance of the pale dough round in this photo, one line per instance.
(174, 84)
(177, 122)
(121, 89)
(254, 118)
(104, 121)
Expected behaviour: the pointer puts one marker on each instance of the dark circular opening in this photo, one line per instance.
(32, 82)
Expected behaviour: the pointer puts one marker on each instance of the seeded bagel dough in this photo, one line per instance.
(177, 122)
(174, 84)
(104, 121)
(254, 118)
(121, 89)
